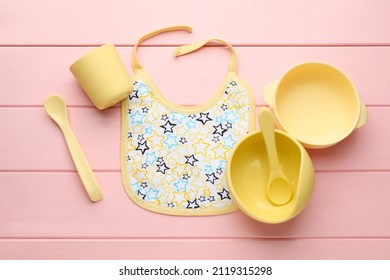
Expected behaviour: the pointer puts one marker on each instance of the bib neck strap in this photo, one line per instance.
(135, 63)
(232, 68)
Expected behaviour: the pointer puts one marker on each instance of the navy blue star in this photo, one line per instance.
(162, 168)
(224, 107)
(233, 83)
(191, 160)
(168, 127)
(229, 125)
(192, 204)
(145, 110)
(134, 94)
(224, 194)
(141, 194)
(204, 118)
(144, 185)
(211, 178)
(219, 129)
(129, 134)
(142, 146)
(211, 198)
(202, 198)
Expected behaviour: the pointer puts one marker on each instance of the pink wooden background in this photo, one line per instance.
(44, 211)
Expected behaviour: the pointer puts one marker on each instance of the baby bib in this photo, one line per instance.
(174, 157)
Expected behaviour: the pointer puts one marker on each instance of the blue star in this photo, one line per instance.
(135, 186)
(143, 89)
(231, 116)
(180, 184)
(208, 169)
(191, 124)
(151, 158)
(178, 117)
(229, 141)
(222, 164)
(152, 194)
(219, 119)
(137, 118)
(148, 130)
(170, 141)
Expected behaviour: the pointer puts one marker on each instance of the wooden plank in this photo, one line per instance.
(146, 249)
(33, 73)
(54, 205)
(250, 22)
(37, 143)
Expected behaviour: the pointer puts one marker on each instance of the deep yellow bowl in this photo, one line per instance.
(248, 172)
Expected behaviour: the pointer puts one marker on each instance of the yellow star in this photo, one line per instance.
(155, 140)
(220, 151)
(180, 169)
(200, 147)
(206, 207)
(140, 175)
(207, 192)
(180, 197)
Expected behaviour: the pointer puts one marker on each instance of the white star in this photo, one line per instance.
(168, 127)
(192, 204)
(162, 168)
(204, 118)
(142, 146)
(219, 129)
(211, 178)
(224, 194)
(191, 159)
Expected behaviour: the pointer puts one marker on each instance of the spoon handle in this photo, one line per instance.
(266, 122)
(81, 163)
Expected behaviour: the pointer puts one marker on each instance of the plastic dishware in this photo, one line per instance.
(248, 171)
(316, 103)
(56, 109)
(103, 76)
(279, 189)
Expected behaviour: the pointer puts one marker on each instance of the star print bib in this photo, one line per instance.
(174, 157)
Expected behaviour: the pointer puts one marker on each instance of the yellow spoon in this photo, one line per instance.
(56, 108)
(279, 189)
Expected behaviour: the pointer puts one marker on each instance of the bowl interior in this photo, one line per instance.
(317, 104)
(249, 173)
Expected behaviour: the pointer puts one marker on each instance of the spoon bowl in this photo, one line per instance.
(56, 108)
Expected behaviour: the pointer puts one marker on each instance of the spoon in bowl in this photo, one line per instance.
(279, 189)
(56, 109)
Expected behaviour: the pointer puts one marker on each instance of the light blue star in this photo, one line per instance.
(152, 194)
(148, 130)
(231, 116)
(222, 164)
(135, 186)
(229, 141)
(191, 123)
(137, 118)
(219, 119)
(143, 89)
(178, 117)
(208, 169)
(170, 141)
(151, 158)
(181, 184)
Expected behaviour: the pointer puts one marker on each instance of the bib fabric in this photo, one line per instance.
(174, 157)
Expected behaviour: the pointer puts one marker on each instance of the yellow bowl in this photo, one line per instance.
(316, 103)
(248, 172)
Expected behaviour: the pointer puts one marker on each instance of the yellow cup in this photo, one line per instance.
(103, 76)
